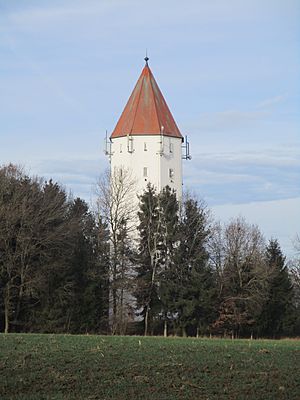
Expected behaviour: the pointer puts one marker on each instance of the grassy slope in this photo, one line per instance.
(98, 367)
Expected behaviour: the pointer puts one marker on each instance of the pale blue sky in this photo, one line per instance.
(229, 70)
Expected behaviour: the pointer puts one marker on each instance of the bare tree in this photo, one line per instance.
(294, 268)
(216, 250)
(243, 274)
(117, 205)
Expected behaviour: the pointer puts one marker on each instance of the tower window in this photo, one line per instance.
(145, 172)
(121, 148)
(171, 147)
(145, 146)
(171, 173)
(130, 144)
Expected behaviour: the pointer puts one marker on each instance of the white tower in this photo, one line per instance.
(146, 139)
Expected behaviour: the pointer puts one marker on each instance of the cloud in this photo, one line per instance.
(77, 175)
(243, 177)
(288, 157)
(278, 219)
(272, 101)
(218, 177)
(221, 179)
(230, 119)
(111, 13)
(42, 16)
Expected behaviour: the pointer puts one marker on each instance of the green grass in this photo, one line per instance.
(99, 367)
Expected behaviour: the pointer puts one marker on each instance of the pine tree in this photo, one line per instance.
(169, 225)
(193, 281)
(278, 314)
(88, 308)
(148, 258)
(175, 283)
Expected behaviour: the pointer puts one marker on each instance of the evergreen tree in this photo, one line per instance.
(148, 257)
(53, 258)
(277, 316)
(122, 280)
(192, 284)
(88, 307)
(175, 282)
(35, 236)
(169, 227)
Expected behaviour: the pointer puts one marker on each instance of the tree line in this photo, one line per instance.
(53, 259)
(166, 268)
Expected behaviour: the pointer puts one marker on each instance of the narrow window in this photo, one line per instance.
(145, 146)
(130, 144)
(171, 147)
(171, 173)
(145, 172)
(120, 148)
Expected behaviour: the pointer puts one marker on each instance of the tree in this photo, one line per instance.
(245, 278)
(88, 273)
(295, 272)
(158, 229)
(53, 258)
(294, 269)
(148, 259)
(216, 251)
(190, 282)
(278, 313)
(168, 234)
(174, 281)
(32, 228)
(116, 204)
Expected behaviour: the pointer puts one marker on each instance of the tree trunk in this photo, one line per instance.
(165, 328)
(121, 328)
(114, 316)
(19, 302)
(6, 308)
(146, 321)
(153, 266)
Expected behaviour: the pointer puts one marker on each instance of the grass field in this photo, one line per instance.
(100, 367)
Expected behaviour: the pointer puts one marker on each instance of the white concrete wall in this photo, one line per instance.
(157, 153)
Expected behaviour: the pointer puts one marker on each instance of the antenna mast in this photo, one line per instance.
(186, 150)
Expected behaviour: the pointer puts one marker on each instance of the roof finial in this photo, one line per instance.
(146, 58)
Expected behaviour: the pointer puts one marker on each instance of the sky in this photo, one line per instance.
(229, 71)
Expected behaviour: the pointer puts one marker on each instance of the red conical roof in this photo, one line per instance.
(146, 112)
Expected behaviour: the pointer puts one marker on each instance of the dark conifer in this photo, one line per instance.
(277, 316)
(194, 280)
(148, 258)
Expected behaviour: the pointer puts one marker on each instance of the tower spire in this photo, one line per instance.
(146, 110)
(146, 58)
